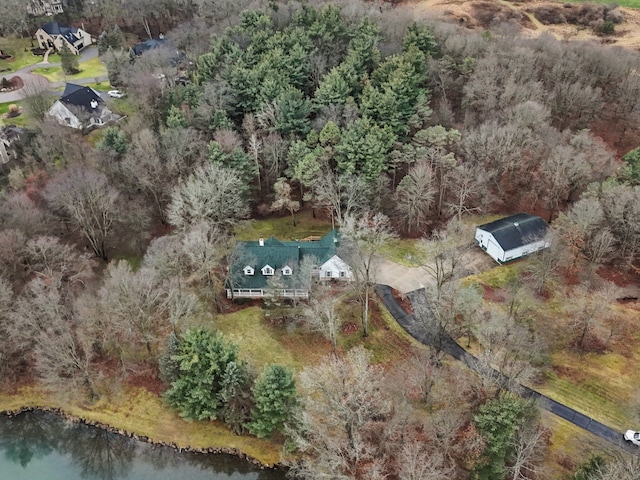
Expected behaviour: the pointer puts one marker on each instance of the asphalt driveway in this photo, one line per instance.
(33, 79)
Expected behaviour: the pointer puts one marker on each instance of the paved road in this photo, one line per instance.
(34, 79)
(429, 333)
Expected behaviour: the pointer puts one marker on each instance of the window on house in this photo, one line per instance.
(328, 274)
(248, 270)
(286, 270)
(267, 270)
(343, 273)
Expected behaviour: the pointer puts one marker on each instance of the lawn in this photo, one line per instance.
(263, 342)
(19, 121)
(621, 3)
(90, 69)
(282, 227)
(404, 251)
(20, 49)
(597, 385)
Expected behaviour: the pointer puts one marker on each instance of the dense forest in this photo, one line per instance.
(114, 245)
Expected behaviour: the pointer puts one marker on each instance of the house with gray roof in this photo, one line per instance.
(81, 107)
(150, 44)
(513, 237)
(9, 135)
(54, 35)
(271, 267)
(45, 7)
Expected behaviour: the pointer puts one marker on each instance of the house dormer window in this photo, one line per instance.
(248, 270)
(286, 270)
(267, 270)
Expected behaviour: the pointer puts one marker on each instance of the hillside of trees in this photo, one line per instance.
(114, 245)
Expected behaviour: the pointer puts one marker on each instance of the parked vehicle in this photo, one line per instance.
(115, 93)
(632, 436)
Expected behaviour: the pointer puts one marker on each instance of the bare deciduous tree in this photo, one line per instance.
(362, 238)
(19, 211)
(284, 200)
(62, 347)
(321, 316)
(344, 405)
(36, 97)
(342, 195)
(13, 17)
(135, 304)
(621, 468)
(587, 313)
(414, 197)
(53, 261)
(213, 194)
(84, 198)
(445, 251)
(530, 446)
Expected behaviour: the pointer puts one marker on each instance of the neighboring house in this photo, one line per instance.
(8, 135)
(513, 237)
(54, 35)
(151, 44)
(257, 262)
(81, 107)
(176, 57)
(45, 7)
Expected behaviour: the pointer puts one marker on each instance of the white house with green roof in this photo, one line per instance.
(271, 267)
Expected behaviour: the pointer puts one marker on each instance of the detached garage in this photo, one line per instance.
(512, 237)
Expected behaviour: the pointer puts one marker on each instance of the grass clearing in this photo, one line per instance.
(620, 3)
(597, 385)
(282, 227)
(498, 276)
(22, 56)
(121, 106)
(406, 252)
(99, 86)
(19, 121)
(90, 69)
(135, 261)
(262, 343)
(387, 341)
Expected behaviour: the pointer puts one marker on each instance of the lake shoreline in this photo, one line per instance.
(142, 438)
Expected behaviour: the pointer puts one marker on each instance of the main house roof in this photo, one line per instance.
(81, 96)
(278, 254)
(54, 28)
(517, 230)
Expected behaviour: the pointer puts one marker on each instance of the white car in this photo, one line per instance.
(633, 437)
(115, 93)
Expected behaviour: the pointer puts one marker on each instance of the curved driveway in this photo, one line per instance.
(429, 333)
(34, 79)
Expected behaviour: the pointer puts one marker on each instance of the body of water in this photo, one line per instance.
(43, 446)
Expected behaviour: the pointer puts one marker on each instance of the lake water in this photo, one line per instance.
(43, 446)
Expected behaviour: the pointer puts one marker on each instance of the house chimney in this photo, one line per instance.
(94, 104)
(261, 242)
